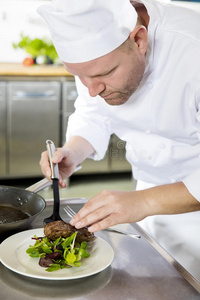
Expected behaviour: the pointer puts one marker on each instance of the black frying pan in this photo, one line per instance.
(17, 203)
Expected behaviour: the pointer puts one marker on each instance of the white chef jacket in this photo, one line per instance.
(160, 123)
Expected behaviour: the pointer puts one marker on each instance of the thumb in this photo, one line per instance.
(58, 156)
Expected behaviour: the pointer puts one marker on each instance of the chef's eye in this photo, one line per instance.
(109, 72)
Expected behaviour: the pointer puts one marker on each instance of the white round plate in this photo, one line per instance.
(13, 255)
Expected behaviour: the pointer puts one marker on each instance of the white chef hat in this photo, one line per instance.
(83, 30)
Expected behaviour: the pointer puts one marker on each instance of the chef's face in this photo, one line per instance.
(116, 75)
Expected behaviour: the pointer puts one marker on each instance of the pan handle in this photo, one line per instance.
(38, 186)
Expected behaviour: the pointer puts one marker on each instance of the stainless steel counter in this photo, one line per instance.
(141, 269)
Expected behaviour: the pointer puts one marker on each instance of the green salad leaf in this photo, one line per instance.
(58, 254)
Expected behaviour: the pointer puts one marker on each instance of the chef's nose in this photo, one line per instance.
(95, 86)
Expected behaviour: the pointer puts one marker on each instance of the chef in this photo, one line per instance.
(136, 66)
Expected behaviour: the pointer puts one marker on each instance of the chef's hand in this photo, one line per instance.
(68, 157)
(109, 208)
(66, 160)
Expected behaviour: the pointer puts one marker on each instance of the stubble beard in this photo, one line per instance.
(134, 79)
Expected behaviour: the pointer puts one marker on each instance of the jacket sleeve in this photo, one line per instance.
(90, 121)
(192, 182)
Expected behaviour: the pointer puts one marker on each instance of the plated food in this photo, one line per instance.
(56, 229)
(62, 246)
(13, 256)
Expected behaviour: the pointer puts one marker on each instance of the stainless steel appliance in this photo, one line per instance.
(69, 95)
(33, 117)
(2, 128)
(35, 109)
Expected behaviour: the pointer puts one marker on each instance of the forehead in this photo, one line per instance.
(96, 66)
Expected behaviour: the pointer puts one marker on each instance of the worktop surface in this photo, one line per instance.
(14, 69)
(138, 271)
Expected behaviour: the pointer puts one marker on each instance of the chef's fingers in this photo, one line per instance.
(93, 204)
(56, 159)
(111, 220)
(46, 169)
(97, 208)
(109, 208)
(96, 216)
(61, 182)
(58, 156)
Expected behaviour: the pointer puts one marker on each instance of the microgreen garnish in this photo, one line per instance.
(58, 254)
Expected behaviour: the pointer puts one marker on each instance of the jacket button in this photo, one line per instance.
(150, 84)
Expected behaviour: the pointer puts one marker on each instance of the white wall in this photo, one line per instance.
(18, 16)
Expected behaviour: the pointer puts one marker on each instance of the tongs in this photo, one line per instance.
(55, 178)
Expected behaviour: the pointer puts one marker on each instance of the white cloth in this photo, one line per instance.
(161, 121)
(83, 30)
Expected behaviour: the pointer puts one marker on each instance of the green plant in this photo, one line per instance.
(37, 47)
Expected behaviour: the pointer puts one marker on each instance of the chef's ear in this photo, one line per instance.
(140, 36)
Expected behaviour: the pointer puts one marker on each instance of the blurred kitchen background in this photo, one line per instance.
(36, 98)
